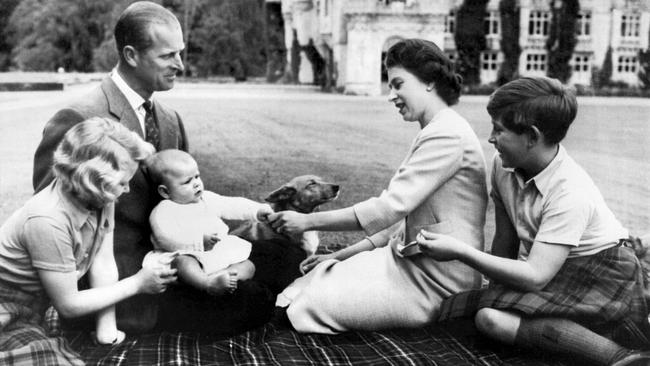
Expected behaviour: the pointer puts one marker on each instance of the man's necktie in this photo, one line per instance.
(151, 131)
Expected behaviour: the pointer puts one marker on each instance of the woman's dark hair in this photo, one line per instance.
(429, 64)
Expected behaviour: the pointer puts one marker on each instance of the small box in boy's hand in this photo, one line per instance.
(409, 249)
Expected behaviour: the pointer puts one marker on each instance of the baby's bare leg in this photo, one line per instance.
(245, 269)
(190, 272)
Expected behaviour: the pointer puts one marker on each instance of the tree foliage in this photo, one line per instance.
(105, 54)
(470, 39)
(603, 76)
(47, 34)
(562, 38)
(6, 8)
(509, 41)
(223, 37)
(644, 68)
(276, 52)
(228, 38)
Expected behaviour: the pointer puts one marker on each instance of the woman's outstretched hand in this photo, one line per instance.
(289, 222)
(155, 280)
(312, 261)
(439, 246)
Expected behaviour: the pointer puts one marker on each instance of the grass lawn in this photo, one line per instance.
(251, 139)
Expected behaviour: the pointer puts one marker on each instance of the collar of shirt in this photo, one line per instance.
(543, 180)
(134, 99)
(78, 215)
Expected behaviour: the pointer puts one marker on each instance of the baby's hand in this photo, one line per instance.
(263, 213)
(209, 240)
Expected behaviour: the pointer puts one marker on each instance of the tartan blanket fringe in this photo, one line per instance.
(273, 344)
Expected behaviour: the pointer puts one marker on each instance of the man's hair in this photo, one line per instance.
(535, 101)
(165, 163)
(132, 28)
(428, 63)
(91, 156)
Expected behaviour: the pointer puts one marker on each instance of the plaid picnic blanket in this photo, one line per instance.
(24, 339)
(274, 344)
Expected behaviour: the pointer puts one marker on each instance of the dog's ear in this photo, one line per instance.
(281, 194)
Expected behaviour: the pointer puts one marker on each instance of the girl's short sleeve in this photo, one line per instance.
(50, 244)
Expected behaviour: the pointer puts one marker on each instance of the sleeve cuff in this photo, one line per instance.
(379, 239)
(369, 215)
(54, 267)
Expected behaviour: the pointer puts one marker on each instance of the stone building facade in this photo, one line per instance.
(351, 36)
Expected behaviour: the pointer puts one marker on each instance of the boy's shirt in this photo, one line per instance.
(560, 205)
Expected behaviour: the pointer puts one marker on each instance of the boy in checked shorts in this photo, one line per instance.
(576, 288)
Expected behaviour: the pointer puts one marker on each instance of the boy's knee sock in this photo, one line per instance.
(567, 337)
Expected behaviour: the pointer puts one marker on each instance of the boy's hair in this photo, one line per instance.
(91, 155)
(428, 63)
(535, 101)
(163, 163)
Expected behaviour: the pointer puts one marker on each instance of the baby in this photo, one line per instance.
(187, 226)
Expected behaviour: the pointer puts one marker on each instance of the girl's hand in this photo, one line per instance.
(439, 246)
(155, 280)
(312, 261)
(289, 222)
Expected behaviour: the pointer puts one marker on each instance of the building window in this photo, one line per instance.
(627, 64)
(450, 22)
(630, 25)
(489, 60)
(536, 62)
(581, 63)
(583, 24)
(538, 23)
(492, 24)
